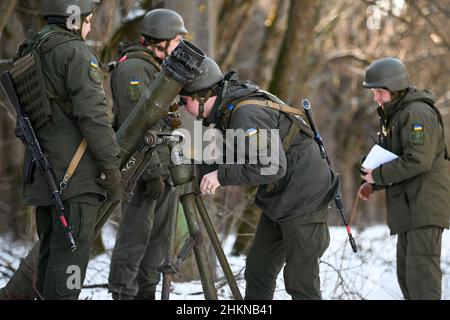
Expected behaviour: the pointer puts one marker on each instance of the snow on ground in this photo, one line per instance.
(369, 274)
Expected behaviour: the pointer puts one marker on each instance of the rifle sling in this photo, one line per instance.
(73, 164)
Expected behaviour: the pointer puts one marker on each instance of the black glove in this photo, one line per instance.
(154, 188)
(110, 180)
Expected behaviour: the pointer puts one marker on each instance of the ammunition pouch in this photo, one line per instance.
(27, 76)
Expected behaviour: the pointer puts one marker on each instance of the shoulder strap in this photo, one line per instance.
(270, 104)
(144, 56)
(45, 45)
(295, 115)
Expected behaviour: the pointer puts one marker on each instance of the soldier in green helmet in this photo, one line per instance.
(77, 112)
(295, 186)
(417, 183)
(144, 228)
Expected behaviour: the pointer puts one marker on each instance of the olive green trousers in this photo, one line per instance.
(292, 244)
(419, 263)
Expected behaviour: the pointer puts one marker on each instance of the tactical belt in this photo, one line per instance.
(73, 165)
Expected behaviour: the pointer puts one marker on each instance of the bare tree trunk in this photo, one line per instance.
(293, 57)
(429, 18)
(6, 8)
(228, 12)
(270, 44)
(200, 18)
(248, 222)
(11, 157)
(229, 51)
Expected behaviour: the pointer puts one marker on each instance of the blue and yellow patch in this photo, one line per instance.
(417, 135)
(134, 94)
(94, 63)
(250, 132)
(94, 72)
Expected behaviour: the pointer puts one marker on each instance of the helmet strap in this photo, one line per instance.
(164, 49)
(201, 104)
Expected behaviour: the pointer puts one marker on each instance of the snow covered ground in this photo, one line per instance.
(370, 274)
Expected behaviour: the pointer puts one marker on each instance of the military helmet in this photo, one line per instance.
(162, 24)
(61, 8)
(210, 75)
(387, 73)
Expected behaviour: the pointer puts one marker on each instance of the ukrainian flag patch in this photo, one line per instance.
(94, 63)
(134, 94)
(250, 132)
(417, 135)
(94, 72)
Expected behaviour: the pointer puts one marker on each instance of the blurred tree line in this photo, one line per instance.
(296, 49)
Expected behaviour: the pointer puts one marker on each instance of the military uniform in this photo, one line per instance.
(292, 231)
(144, 228)
(417, 191)
(78, 110)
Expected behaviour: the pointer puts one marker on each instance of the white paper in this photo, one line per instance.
(377, 156)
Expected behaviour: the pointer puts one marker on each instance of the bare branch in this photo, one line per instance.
(429, 20)
(6, 8)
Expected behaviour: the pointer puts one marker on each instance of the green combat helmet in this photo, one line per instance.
(387, 73)
(162, 24)
(62, 8)
(206, 85)
(210, 76)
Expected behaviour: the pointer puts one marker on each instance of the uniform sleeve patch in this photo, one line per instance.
(94, 63)
(94, 72)
(250, 132)
(134, 94)
(417, 135)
